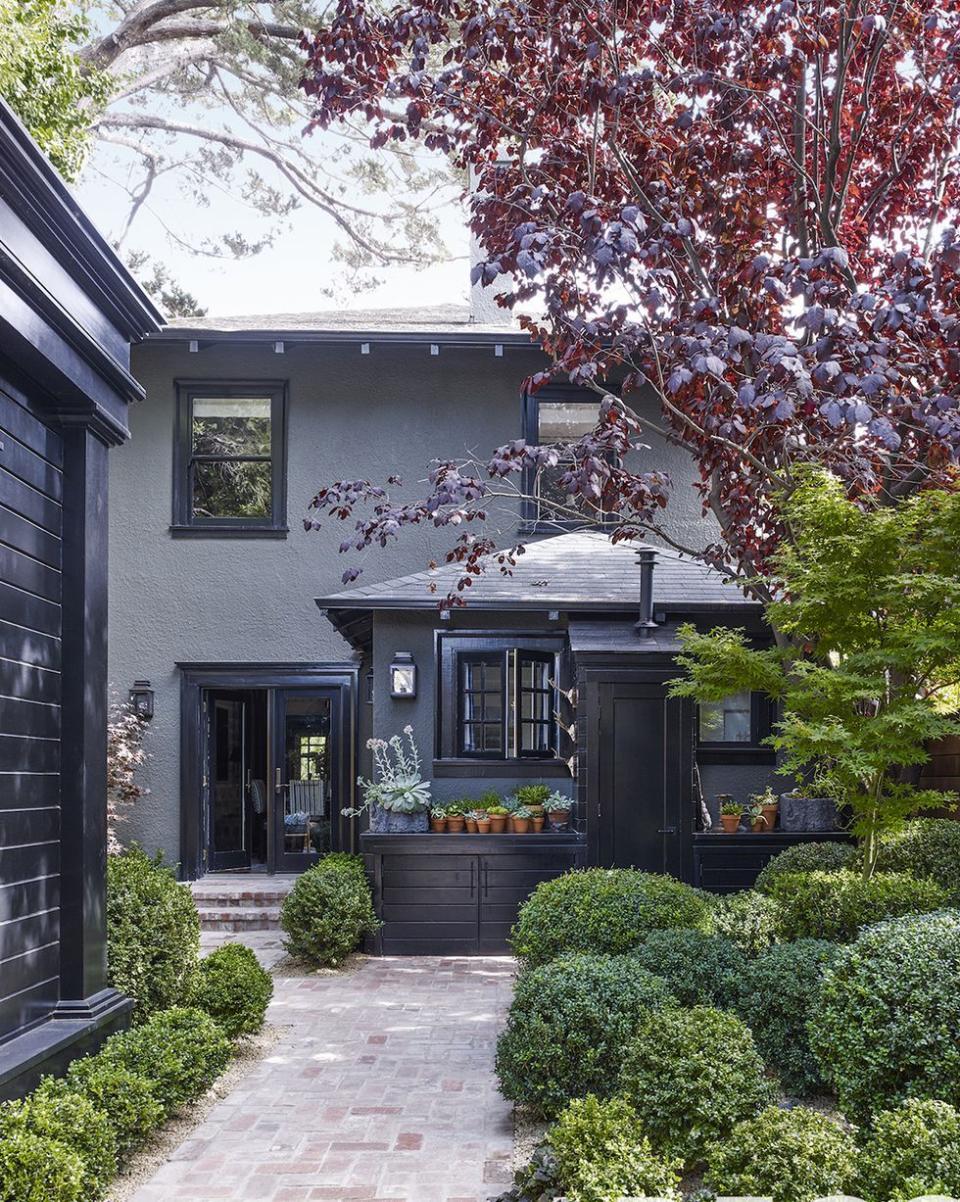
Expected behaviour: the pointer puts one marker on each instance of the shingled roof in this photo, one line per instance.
(582, 570)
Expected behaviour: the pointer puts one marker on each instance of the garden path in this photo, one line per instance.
(381, 1089)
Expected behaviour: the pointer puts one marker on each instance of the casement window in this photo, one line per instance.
(734, 728)
(230, 460)
(555, 414)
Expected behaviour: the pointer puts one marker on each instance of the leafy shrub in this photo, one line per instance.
(787, 1155)
(568, 1025)
(748, 919)
(35, 1169)
(779, 991)
(699, 969)
(345, 860)
(603, 910)
(55, 1112)
(835, 905)
(691, 1075)
(328, 911)
(231, 987)
(181, 1051)
(927, 847)
(125, 1097)
(153, 932)
(912, 1152)
(887, 1025)
(806, 857)
(602, 1154)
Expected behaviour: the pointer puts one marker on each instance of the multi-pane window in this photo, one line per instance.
(482, 705)
(727, 721)
(557, 414)
(230, 459)
(506, 704)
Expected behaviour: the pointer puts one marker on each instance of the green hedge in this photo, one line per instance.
(35, 1169)
(699, 969)
(691, 1075)
(780, 990)
(927, 847)
(328, 911)
(911, 1152)
(125, 1097)
(603, 910)
(153, 932)
(232, 988)
(787, 1155)
(568, 1027)
(887, 1024)
(748, 919)
(807, 857)
(836, 905)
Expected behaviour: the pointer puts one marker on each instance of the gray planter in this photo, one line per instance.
(386, 822)
(807, 813)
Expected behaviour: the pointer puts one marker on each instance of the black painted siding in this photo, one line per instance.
(31, 492)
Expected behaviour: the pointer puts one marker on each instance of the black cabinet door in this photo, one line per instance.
(429, 904)
(506, 881)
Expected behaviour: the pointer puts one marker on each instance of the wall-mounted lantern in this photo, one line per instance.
(403, 675)
(141, 699)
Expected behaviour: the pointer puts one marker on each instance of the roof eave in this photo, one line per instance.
(465, 338)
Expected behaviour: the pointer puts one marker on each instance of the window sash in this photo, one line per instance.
(543, 730)
(520, 736)
(479, 720)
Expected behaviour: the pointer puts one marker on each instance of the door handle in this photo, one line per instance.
(277, 779)
(473, 873)
(486, 878)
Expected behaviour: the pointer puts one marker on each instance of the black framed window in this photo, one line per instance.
(735, 728)
(230, 459)
(482, 705)
(535, 704)
(555, 414)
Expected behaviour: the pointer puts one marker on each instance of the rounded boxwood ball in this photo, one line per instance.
(887, 1024)
(699, 969)
(912, 1151)
(691, 1075)
(328, 911)
(780, 990)
(604, 910)
(806, 857)
(787, 1155)
(568, 1026)
(231, 987)
(125, 1097)
(36, 1169)
(836, 905)
(748, 919)
(927, 847)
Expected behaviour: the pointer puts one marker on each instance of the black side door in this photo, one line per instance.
(229, 817)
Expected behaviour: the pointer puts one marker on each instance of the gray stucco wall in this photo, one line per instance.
(237, 600)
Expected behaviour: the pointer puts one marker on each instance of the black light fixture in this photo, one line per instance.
(403, 675)
(141, 699)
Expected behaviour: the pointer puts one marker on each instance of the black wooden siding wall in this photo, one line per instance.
(31, 489)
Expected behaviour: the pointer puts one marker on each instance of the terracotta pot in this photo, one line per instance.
(498, 824)
(538, 820)
(471, 825)
(438, 825)
(758, 825)
(455, 824)
(770, 813)
(483, 826)
(729, 822)
(558, 819)
(536, 811)
(520, 826)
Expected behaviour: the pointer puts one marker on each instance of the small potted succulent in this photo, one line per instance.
(520, 820)
(470, 819)
(455, 818)
(482, 819)
(498, 815)
(756, 817)
(730, 814)
(558, 807)
(398, 798)
(769, 805)
(438, 819)
(533, 797)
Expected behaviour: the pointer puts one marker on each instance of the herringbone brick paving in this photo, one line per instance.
(380, 1089)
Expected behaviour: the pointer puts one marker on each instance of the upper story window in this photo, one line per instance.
(230, 460)
(726, 721)
(555, 414)
(735, 728)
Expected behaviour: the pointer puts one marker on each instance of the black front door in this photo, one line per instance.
(229, 818)
(308, 733)
(640, 777)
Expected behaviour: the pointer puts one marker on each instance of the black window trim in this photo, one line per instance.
(184, 525)
(753, 752)
(481, 657)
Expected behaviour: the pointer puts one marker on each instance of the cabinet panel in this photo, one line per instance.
(429, 904)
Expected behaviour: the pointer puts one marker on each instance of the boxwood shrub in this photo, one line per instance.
(780, 989)
(181, 1051)
(807, 857)
(836, 905)
(328, 911)
(607, 910)
(153, 932)
(691, 1075)
(912, 1151)
(927, 847)
(602, 1154)
(887, 1024)
(748, 919)
(56, 1113)
(699, 969)
(231, 987)
(568, 1027)
(36, 1169)
(787, 1155)
(125, 1097)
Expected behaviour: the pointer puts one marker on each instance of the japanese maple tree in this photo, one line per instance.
(746, 207)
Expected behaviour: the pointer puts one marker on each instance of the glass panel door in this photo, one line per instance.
(228, 804)
(306, 767)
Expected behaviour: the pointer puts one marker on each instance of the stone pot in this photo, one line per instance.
(807, 813)
(386, 822)
(558, 820)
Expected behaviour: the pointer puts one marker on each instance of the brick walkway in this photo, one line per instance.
(380, 1089)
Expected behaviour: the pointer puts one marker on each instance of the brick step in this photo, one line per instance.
(239, 918)
(221, 899)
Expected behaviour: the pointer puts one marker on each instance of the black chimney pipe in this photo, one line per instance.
(646, 558)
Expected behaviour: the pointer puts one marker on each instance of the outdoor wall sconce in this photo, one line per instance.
(141, 699)
(403, 675)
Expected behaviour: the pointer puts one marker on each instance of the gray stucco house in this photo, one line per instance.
(268, 676)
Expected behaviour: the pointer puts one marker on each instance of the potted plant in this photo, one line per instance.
(558, 807)
(532, 797)
(755, 814)
(470, 819)
(520, 820)
(398, 798)
(801, 812)
(455, 818)
(498, 815)
(769, 806)
(730, 814)
(482, 819)
(438, 819)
